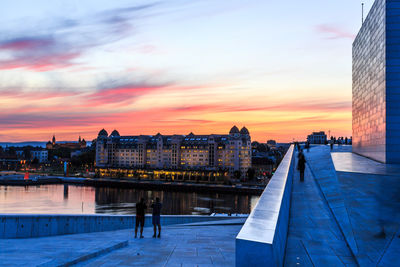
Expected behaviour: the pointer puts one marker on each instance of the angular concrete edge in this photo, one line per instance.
(262, 239)
(233, 221)
(251, 253)
(85, 257)
(39, 225)
(327, 181)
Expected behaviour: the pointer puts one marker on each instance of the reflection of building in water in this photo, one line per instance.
(119, 200)
(231, 152)
(65, 191)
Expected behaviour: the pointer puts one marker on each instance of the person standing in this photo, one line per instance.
(156, 217)
(301, 166)
(140, 211)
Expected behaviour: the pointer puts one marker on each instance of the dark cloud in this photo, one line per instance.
(62, 45)
(27, 120)
(26, 43)
(38, 53)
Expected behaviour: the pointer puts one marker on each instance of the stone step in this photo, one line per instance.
(90, 255)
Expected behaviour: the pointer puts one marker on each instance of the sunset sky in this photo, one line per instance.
(281, 68)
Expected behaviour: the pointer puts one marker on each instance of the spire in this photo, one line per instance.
(79, 140)
(54, 139)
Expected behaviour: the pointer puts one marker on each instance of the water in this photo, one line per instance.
(70, 199)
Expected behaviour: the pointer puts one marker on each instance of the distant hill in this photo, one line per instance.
(20, 144)
(34, 143)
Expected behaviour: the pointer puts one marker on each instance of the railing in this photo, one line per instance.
(262, 239)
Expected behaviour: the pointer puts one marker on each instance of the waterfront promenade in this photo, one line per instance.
(336, 218)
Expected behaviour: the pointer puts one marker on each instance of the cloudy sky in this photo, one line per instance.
(281, 68)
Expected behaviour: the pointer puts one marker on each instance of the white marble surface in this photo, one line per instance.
(265, 230)
(351, 162)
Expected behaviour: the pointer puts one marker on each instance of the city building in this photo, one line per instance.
(317, 138)
(271, 144)
(376, 84)
(71, 145)
(231, 152)
(20, 154)
(42, 155)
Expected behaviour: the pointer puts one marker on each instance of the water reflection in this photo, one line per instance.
(69, 199)
(65, 191)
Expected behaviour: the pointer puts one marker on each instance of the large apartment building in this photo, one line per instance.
(230, 152)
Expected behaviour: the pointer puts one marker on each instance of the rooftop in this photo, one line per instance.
(345, 213)
(209, 244)
(338, 214)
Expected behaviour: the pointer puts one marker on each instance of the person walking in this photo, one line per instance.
(301, 166)
(300, 153)
(156, 217)
(140, 210)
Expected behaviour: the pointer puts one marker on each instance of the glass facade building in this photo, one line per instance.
(376, 84)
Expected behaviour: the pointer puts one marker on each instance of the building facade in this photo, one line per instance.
(71, 145)
(230, 152)
(41, 155)
(317, 138)
(376, 84)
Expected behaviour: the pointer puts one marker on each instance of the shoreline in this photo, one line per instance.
(131, 183)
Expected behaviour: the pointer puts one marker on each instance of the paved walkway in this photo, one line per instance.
(314, 237)
(179, 246)
(344, 208)
(198, 244)
(373, 202)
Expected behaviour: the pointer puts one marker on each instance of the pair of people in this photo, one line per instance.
(140, 217)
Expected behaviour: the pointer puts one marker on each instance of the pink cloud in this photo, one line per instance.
(334, 32)
(120, 94)
(290, 107)
(35, 95)
(41, 63)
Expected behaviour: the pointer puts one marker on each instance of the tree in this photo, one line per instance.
(251, 173)
(237, 175)
(35, 161)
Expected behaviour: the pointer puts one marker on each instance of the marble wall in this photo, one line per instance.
(369, 85)
(376, 84)
(393, 81)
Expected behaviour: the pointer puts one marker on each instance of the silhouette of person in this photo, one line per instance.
(300, 153)
(140, 210)
(301, 166)
(156, 217)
